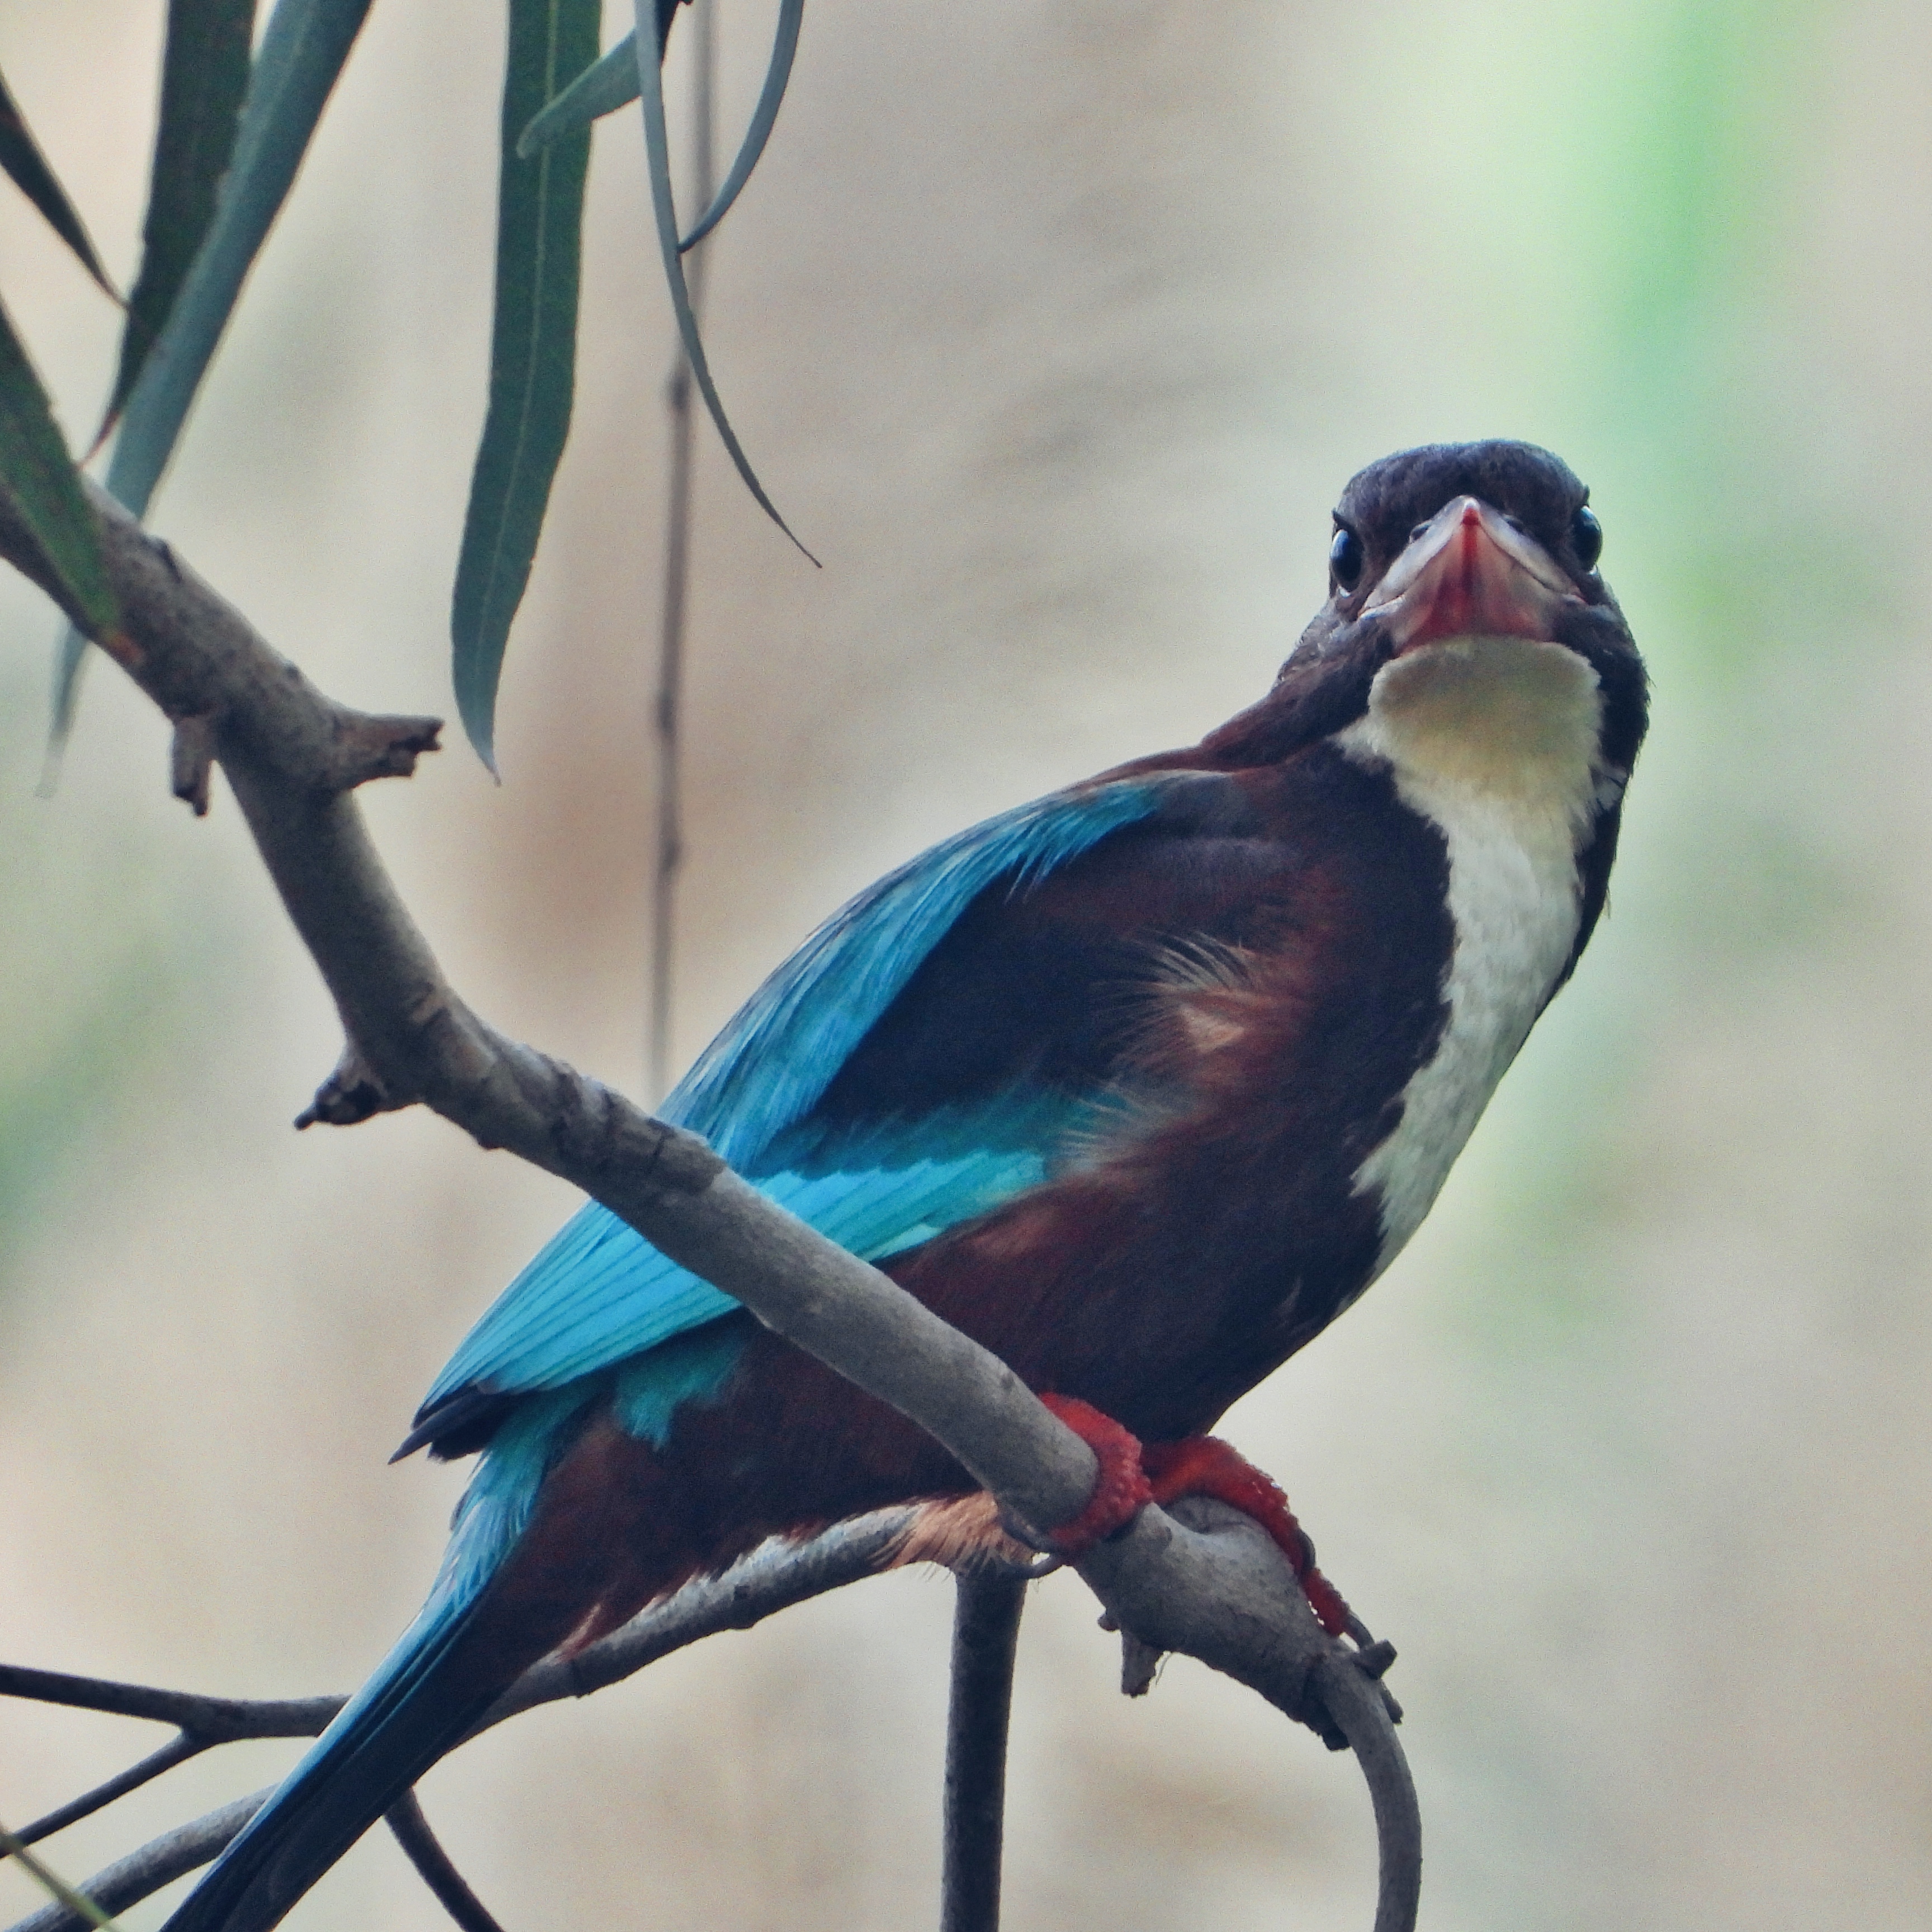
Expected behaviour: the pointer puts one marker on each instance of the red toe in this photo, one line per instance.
(1204, 1465)
(1121, 1490)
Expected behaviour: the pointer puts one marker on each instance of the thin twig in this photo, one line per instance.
(141, 1874)
(985, 1632)
(50, 1881)
(178, 1750)
(771, 1578)
(218, 1720)
(405, 1820)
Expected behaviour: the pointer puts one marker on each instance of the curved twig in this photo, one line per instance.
(1350, 1697)
(1227, 1595)
(424, 1850)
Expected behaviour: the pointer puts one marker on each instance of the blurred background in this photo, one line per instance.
(1054, 331)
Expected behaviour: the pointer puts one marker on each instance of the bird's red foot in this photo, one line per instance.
(1120, 1487)
(1204, 1465)
(1132, 1474)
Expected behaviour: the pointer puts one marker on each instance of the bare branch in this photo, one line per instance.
(198, 658)
(405, 1820)
(985, 1630)
(141, 1874)
(771, 1578)
(177, 1750)
(1210, 1582)
(215, 1720)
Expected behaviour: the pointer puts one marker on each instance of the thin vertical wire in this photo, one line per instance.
(669, 709)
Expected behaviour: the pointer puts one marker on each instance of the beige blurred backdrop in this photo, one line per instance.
(1054, 330)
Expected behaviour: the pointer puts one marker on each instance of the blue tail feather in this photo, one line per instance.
(407, 1716)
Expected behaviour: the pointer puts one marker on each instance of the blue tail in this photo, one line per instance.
(424, 1695)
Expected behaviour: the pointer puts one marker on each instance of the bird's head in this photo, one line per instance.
(1437, 546)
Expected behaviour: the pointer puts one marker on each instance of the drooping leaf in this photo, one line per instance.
(533, 354)
(38, 474)
(295, 70)
(204, 77)
(20, 155)
(777, 77)
(613, 82)
(657, 148)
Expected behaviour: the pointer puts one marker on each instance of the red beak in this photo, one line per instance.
(1470, 573)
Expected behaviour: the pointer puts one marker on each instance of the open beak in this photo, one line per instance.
(1470, 573)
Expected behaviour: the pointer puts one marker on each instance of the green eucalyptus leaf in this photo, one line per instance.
(295, 71)
(777, 77)
(613, 82)
(37, 474)
(20, 155)
(657, 148)
(204, 77)
(533, 354)
(601, 88)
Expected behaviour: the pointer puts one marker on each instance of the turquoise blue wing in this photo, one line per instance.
(598, 1293)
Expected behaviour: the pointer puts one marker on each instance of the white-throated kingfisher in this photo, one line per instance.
(1139, 1085)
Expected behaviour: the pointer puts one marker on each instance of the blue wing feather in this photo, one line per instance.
(791, 1038)
(598, 1293)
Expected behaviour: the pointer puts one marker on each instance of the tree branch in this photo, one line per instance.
(178, 1750)
(771, 1578)
(217, 1720)
(291, 756)
(405, 1820)
(141, 1874)
(985, 1632)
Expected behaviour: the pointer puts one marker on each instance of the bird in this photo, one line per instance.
(1140, 1085)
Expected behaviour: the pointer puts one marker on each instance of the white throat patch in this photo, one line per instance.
(1495, 741)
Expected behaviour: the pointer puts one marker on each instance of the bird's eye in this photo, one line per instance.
(1420, 530)
(1346, 559)
(1587, 534)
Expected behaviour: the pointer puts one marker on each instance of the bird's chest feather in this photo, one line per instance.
(1495, 741)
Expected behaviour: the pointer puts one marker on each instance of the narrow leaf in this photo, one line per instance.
(20, 155)
(613, 82)
(657, 148)
(295, 69)
(532, 355)
(204, 77)
(778, 74)
(37, 474)
(601, 88)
